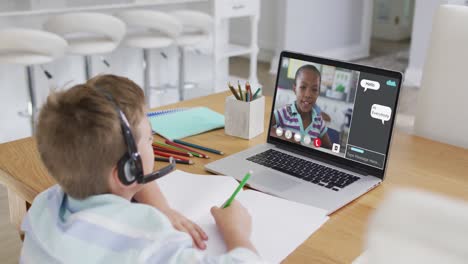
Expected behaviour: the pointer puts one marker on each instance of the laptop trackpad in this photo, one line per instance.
(271, 180)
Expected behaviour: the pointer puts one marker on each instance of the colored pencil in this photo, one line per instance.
(168, 150)
(194, 152)
(180, 148)
(198, 147)
(239, 187)
(233, 91)
(198, 155)
(176, 160)
(240, 91)
(163, 145)
(168, 155)
(249, 89)
(201, 155)
(256, 93)
(161, 157)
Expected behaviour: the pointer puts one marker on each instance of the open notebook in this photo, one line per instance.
(278, 226)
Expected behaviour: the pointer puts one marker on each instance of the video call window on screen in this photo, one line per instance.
(315, 105)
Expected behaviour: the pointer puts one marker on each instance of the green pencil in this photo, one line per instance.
(241, 185)
(180, 142)
(256, 93)
(195, 154)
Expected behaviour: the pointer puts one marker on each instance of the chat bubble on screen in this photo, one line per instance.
(368, 84)
(381, 112)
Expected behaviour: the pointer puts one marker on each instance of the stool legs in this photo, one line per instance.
(181, 73)
(88, 67)
(32, 107)
(146, 76)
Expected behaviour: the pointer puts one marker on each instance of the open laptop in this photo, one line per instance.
(329, 133)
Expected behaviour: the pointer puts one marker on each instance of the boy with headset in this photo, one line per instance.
(95, 141)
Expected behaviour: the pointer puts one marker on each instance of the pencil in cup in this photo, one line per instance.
(256, 93)
(248, 88)
(233, 91)
(244, 119)
(180, 142)
(240, 91)
(190, 162)
(201, 155)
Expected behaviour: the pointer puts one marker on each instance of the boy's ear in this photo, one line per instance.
(114, 182)
(120, 189)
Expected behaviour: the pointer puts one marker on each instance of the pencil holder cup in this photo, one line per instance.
(244, 119)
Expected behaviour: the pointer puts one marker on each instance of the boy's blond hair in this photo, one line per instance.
(79, 137)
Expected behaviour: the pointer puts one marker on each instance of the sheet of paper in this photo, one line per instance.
(278, 226)
(193, 194)
(362, 259)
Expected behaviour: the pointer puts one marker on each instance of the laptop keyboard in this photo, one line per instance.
(304, 169)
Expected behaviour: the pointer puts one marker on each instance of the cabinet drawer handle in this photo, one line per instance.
(236, 7)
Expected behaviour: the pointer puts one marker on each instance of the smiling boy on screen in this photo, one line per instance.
(303, 115)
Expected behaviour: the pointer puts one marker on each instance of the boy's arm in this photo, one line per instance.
(177, 250)
(151, 194)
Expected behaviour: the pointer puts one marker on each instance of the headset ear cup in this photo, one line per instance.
(126, 170)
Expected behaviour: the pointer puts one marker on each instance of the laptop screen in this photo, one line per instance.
(335, 109)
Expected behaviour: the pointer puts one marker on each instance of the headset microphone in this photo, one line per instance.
(130, 166)
(159, 173)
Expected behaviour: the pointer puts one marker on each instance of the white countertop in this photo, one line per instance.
(44, 7)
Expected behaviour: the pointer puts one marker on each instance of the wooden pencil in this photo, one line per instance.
(190, 162)
(168, 155)
(180, 153)
(201, 155)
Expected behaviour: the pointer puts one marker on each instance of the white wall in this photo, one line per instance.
(335, 28)
(292, 24)
(422, 26)
(316, 26)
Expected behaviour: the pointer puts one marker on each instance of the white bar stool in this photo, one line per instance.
(88, 34)
(197, 27)
(149, 30)
(30, 47)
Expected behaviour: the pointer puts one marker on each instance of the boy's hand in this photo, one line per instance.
(235, 224)
(183, 224)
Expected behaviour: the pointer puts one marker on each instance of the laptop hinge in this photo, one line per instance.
(342, 166)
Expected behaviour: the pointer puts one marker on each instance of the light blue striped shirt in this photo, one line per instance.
(108, 229)
(288, 117)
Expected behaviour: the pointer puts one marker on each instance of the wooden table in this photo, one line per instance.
(414, 162)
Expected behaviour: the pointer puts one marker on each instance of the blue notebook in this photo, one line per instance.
(181, 123)
(165, 112)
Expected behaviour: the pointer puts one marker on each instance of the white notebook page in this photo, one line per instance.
(278, 226)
